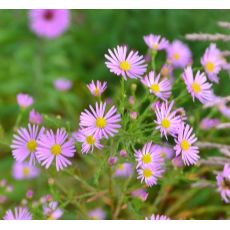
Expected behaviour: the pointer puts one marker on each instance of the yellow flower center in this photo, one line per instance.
(184, 145)
(196, 87)
(56, 149)
(124, 65)
(147, 173)
(146, 158)
(31, 145)
(209, 67)
(90, 140)
(165, 71)
(25, 171)
(121, 167)
(165, 123)
(155, 88)
(155, 46)
(101, 122)
(96, 92)
(176, 56)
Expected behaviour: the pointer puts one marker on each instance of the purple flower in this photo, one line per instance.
(49, 23)
(164, 151)
(62, 84)
(133, 115)
(24, 170)
(184, 145)
(96, 89)
(112, 160)
(167, 121)
(198, 87)
(223, 183)
(56, 147)
(35, 117)
(156, 42)
(125, 64)
(140, 193)
(98, 122)
(157, 217)
(124, 170)
(123, 153)
(160, 88)
(177, 162)
(88, 141)
(97, 214)
(178, 54)
(24, 100)
(208, 123)
(167, 70)
(24, 143)
(20, 213)
(51, 210)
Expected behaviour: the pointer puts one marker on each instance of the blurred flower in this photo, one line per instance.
(161, 89)
(121, 63)
(154, 105)
(97, 214)
(156, 42)
(29, 193)
(9, 188)
(208, 123)
(35, 117)
(157, 217)
(223, 183)
(63, 84)
(96, 89)
(46, 198)
(198, 87)
(3, 199)
(24, 170)
(178, 54)
(20, 213)
(184, 142)
(24, 100)
(167, 70)
(56, 147)
(164, 151)
(131, 100)
(112, 160)
(3, 183)
(49, 23)
(140, 193)
(123, 170)
(24, 144)
(51, 211)
(177, 162)
(133, 115)
(96, 122)
(123, 153)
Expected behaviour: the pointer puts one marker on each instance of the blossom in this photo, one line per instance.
(24, 144)
(164, 151)
(51, 210)
(223, 183)
(58, 147)
(62, 84)
(24, 170)
(178, 54)
(35, 117)
(208, 123)
(140, 193)
(123, 170)
(198, 87)
(212, 62)
(97, 214)
(184, 145)
(112, 160)
(160, 88)
(20, 213)
(88, 141)
(98, 122)
(49, 23)
(157, 217)
(167, 70)
(96, 89)
(167, 121)
(156, 42)
(24, 100)
(124, 64)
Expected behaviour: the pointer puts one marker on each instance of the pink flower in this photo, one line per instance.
(49, 23)
(167, 70)
(24, 100)
(96, 89)
(97, 214)
(51, 210)
(156, 42)
(124, 170)
(62, 84)
(20, 213)
(35, 117)
(140, 193)
(157, 217)
(125, 64)
(208, 123)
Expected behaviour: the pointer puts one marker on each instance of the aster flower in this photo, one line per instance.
(208, 123)
(98, 122)
(24, 100)
(97, 214)
(35, 117)
(157, 217)
(124, 64)
(124, 170)
(198, 87)
(51, 210)
(62, 84)
(49, 23)
(96, 89)
(161, 89)
(156, 42)
(178, 54)
(88, 141)
(167, 121)
(164, 151)
(140, 193)
(184, 145)
(24, 144)
(20, 213)
(24, 170)
(223, 183)
(212, 62)
(55, 147)
(167, 70)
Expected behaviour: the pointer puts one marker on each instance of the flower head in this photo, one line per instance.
(49, 23)
(208, 123)
(160, 88)
(140, 193)
(96, 89)
(123, 170)
(24, 100)
(198, 86)
(157, 217)
(20, 213)
(58, 147)
(51, 210)
(98, 122)
(24, 144)
(124, 64)
(167, 70)
(156, 42)
(63, 84)
(97, 214)
(35, 117)
(184, 145)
